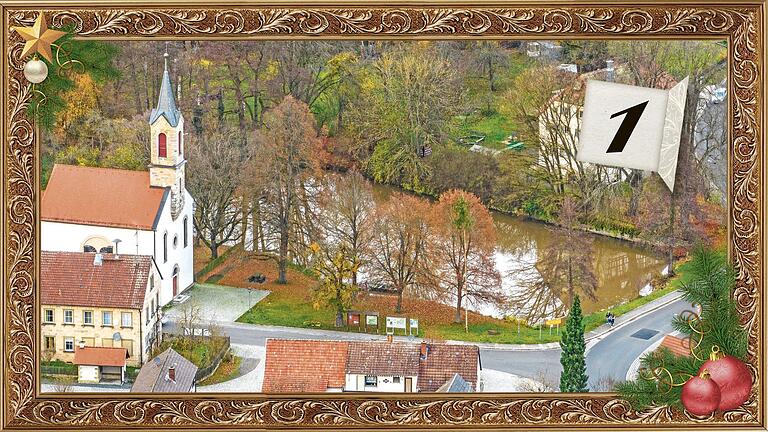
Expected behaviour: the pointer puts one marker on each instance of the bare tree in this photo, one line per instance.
(216, 161)
(398, 248)
(348, 208)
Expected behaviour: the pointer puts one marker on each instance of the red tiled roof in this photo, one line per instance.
(679, 347)
(72, 279)
(383, 358)
(443, 361)
(100, 356)
(101, 196)
(304, 365)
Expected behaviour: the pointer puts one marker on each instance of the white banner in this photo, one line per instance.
(633, 127)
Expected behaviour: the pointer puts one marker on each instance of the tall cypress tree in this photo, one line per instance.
(574, 376)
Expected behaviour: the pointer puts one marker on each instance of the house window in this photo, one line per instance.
(395, 380)
(180, 140)
(106, 249)
(89, 248)
(127, 319)
(186, 221)
(128, 345)
(69, 344)
(162, 149)
(69, 316)
(88, 318)
(165, 247)
(48, 316)
(50, 343)
(106, 318)
(370, 381)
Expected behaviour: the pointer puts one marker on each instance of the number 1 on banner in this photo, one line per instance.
(627, 126)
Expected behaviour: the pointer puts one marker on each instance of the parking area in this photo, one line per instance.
(216, 303)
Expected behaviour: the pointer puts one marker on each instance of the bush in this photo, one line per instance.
(613, 226)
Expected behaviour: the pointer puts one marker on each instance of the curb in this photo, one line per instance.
(591, 338)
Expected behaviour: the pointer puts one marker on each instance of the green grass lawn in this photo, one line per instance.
(496, 128)
(226, 371)
(284, 310)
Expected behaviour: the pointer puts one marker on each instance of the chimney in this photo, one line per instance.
(424, 350)
(117, 243)
(390, 338)
(172, 372)
(609, 71)
(98, 259)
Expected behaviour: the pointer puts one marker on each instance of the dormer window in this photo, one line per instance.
(162, 146)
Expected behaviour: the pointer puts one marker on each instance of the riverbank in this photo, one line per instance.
(290, 305)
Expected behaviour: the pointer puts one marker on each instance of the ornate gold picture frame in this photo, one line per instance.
(742, 24)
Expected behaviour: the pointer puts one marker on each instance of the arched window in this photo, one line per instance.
(185, 230)
(162, 149)
(89, 248)
(165, 247)
(180, 141)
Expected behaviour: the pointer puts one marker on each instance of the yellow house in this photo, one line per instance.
(98, 300)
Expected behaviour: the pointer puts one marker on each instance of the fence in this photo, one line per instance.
(208, 371)
(58, 370)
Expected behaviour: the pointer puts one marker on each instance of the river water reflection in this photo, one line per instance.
(623, 269)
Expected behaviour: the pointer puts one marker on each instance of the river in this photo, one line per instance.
(623, 269)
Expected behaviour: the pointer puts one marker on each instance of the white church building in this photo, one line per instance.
(103, 210)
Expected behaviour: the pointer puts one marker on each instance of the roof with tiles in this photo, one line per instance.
(72, 279)
(154, 376)
(678, 346)
(100, 356)
(102, 197)
(299, 366)
(443, 361)
(383, 358)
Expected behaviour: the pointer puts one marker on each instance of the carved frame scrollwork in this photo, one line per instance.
(24, 407)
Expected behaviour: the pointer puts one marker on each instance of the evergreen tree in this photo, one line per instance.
(574, 376)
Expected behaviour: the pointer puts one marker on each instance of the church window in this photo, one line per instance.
(186, 221)
(165, 247)
(180, 142)
(162, 149)
(175, 241)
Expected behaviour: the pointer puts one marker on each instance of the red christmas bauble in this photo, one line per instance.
(732, 377)
(701, 395)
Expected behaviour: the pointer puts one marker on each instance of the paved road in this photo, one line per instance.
(609, 356)
(612, 356)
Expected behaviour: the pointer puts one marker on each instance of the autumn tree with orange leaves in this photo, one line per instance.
(282, 174)
(398, 244)
(461, 251)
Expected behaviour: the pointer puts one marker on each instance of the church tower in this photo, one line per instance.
(167, 163)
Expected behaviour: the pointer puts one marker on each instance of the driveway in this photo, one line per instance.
(217, 303)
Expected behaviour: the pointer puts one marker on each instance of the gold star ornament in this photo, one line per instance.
(39, 38)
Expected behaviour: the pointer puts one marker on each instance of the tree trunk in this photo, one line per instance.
(399, 307)
(457, 317)
(339, 318)
(283, 261)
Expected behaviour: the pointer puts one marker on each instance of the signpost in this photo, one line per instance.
(414, 325)
(394, 323)
(555, 322)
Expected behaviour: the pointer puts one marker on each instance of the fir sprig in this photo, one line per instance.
(710, 280)
(94, 58)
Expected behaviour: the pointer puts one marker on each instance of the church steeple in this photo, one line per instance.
(167, 133)
(166, 102)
